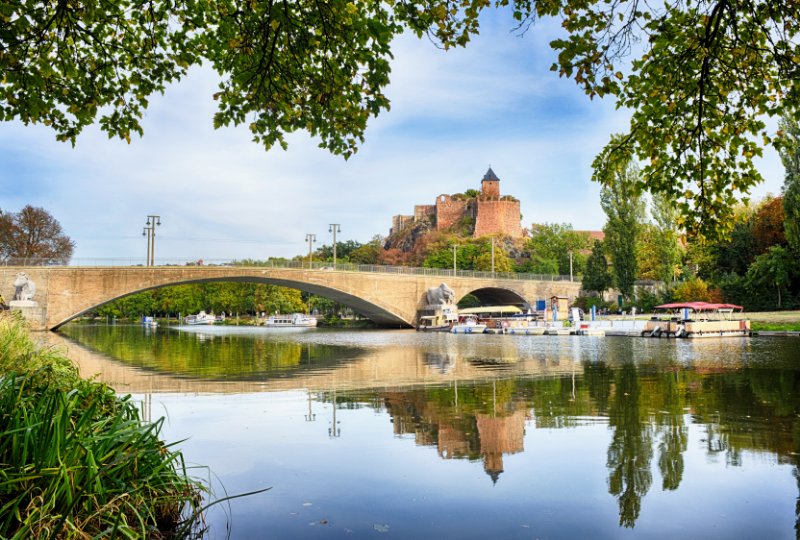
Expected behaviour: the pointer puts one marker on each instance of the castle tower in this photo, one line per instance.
(490, 185)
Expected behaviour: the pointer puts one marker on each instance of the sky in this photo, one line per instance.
(221, 196)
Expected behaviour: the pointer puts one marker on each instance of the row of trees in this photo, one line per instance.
(753, 265)
(232, 298)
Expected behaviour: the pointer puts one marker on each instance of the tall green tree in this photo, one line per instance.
(699, 83)
(622, 203)
(790, 156)
(597, 277)
(771, 271)
(667, 236)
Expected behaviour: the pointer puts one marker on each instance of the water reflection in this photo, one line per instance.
(674, 417)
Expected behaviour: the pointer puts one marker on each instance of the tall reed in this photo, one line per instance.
(76, 461)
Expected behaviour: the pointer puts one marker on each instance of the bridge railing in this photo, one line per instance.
(283, 263)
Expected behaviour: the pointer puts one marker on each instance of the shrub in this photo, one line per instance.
(78, 461)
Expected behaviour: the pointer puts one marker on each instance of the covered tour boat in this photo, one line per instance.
(698, 320)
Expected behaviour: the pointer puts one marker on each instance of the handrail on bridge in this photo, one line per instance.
(280, 263)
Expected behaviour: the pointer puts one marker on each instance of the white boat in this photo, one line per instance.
(294, 320)
(437, 318)
(200, 318)
(468, 324)
(149, 322)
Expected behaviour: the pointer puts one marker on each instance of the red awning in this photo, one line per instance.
(698, 306)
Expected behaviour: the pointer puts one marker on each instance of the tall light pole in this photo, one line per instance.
(146, 232)
(454, 259)
(334, 228)
(150, 231)
(570, 265)
(492, 255)
(310, 238)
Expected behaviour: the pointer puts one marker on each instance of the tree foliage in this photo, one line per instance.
(624, 209)
(550, 246)
(666, 244)
(596, 277)
(768, 225)
(33, 236)
(699, 77)
(771, 271)
(217, 297)
(790, 156)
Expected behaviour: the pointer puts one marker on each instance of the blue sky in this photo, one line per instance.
(221, 196)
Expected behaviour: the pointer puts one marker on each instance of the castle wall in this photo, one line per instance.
(498, 217)
(449, 211)
(424, 211)
(400, 222)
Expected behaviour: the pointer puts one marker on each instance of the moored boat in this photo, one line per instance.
(149, 322)
(200, 318)
(293, 320)
(698, 320)
(468, 324)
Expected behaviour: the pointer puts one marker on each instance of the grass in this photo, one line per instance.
(758, 326)
(76, 460)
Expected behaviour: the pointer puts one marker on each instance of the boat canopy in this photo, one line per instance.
(491, 309)
(699, 306)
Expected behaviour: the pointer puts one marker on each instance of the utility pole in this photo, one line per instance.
(334, 228)
(310, 238)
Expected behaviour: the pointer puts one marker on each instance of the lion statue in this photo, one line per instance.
(24, 287)
(441, 295)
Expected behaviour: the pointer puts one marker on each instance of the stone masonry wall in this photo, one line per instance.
(424, 211)
(490, 189)
(449, 211)
(495, 217)
(400, 222)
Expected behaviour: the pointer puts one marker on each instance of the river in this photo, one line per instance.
(398, 434)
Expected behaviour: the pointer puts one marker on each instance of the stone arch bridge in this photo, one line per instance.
(390, 296)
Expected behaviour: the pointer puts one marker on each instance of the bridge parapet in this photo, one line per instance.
(23, 263)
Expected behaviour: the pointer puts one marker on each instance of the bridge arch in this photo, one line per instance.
(390, 296)
(500, 296)
(380, 314)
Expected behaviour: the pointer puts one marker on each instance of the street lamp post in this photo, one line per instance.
(334, 228)
(150, 232)
(454, 259)
(492, 255)
(146, 232)
(570, 265)
(310, 238)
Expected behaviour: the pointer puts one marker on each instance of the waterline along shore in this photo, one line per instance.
(78, 461)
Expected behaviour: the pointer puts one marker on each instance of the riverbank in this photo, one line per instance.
(78, 461)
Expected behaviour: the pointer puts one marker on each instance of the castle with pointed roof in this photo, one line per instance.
(484, 213)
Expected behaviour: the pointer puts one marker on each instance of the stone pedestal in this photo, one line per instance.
(35, 315)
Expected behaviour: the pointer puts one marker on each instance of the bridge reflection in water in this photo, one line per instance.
(712, 422)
